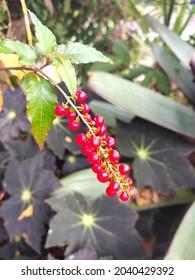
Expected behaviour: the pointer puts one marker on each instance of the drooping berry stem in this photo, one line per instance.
(95, 144)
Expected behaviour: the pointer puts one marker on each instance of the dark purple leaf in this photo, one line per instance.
(160, 156)
(25, 212)
(74, 163)
(106, 224)
(13, 117)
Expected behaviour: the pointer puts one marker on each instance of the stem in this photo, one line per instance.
(9, 33)
(20, 68)
(26, 20)
(78, 112)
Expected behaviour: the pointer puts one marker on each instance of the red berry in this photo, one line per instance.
(81, 96)
(124, 169)
(124, 196)
(86, 149)
(97, 168)
(110, 142)
(110, 192)
(129, 180)
(88, 118)
(93, 158)
(95, 142)
(85, 108)
(102, 130)
(102, 177)
(114, 156)
(81, 139)
(60, 111)
(74, 125)
(71, 114)
(114, 186)
(99, 120)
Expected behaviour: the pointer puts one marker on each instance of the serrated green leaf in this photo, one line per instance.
(143, 102)
(67, 72)
(182, 246)
(46, 39)
(41, 101)
(179, 47)
(80, 53)
(26, 53)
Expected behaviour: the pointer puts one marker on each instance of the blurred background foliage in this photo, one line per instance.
(147, 97)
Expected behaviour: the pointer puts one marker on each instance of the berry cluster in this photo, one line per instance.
(98, 147)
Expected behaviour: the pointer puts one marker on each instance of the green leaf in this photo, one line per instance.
(138, 71)
(106, 67)
(180, 48)
(156, 152)
(67, 72)
(182, 246)
(121, 50)
(106, 224)
(26, 53)
(110, 112)
(46, 39)
(80, 53)
(41, 101)
(175, 71)
(143, 102)
(149, 78)
(84, 181)
(162, 81)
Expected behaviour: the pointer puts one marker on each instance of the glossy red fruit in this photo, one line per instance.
(102, 177)
(110, 142)
(99, 120)
(85, 108)
(96, 168)
(95, 142)
(102, 130)
(81, 96)
(81, 139)
(86, 150)
(88, 118)
(71, 114)
(114, 156)
(124, 169)
(129, 180)
(114, 186)
(93, 158)
(124, 196)
(110, 192)
(60, 111)
(74, 125)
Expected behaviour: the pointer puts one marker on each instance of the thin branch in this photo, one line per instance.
(19, 68)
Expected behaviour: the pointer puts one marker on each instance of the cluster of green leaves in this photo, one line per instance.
(40, 93)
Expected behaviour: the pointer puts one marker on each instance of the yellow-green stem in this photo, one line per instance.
(27, 23)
